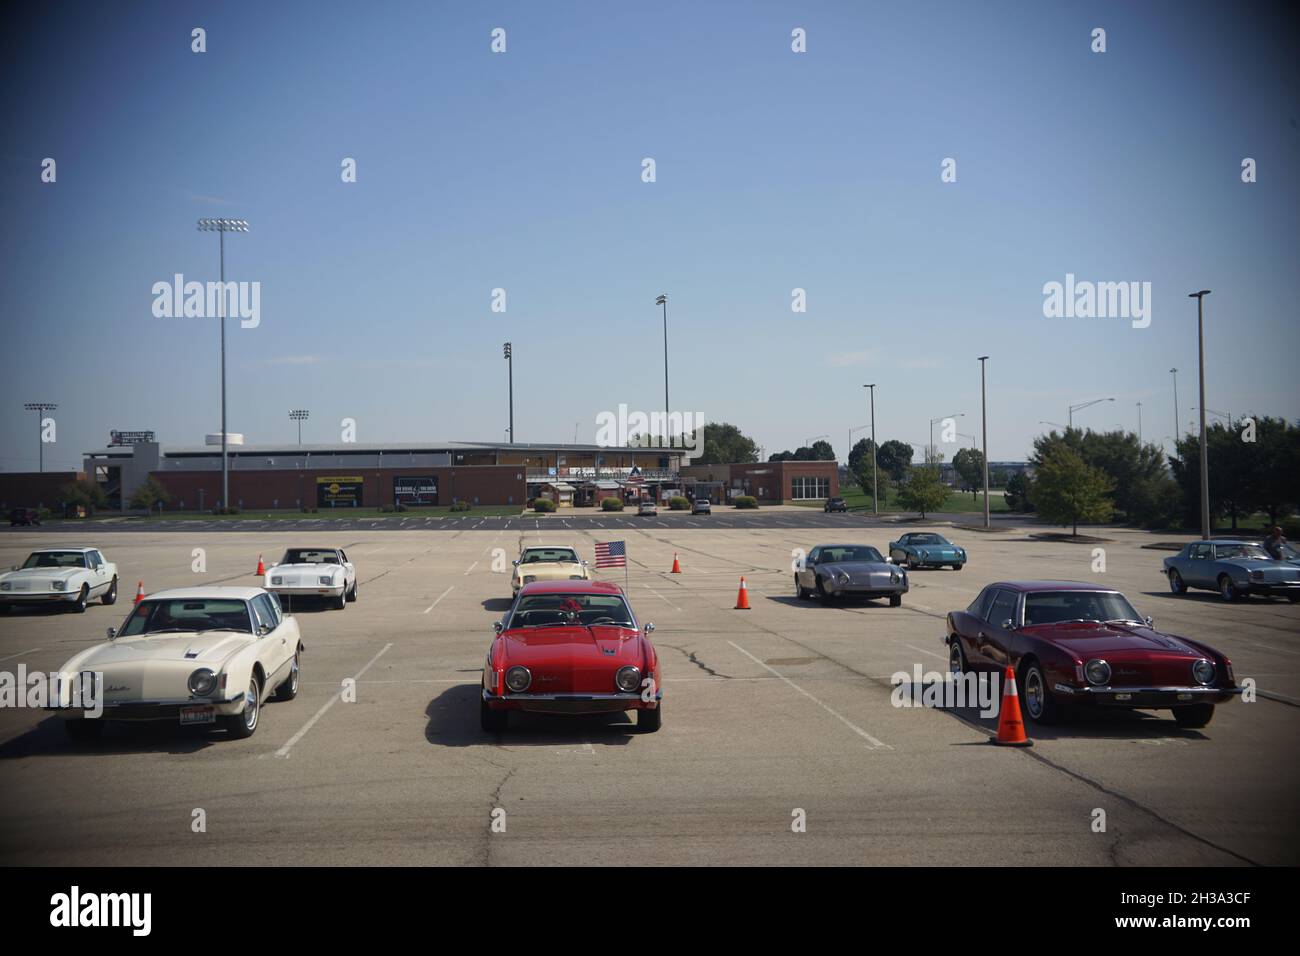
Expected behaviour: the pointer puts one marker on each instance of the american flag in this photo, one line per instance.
(611, 554)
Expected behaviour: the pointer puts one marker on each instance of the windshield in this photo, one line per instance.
(1225, 551)
(1057, 607)
(852, 552)
(188, 614)
(55, 559)
(930, 539)
(536, 555)
(549, 610)
(310, 556)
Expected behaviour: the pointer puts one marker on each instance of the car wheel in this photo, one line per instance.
(911, 563)
(800, 591)
(957, 567)
(341, 601)
(83, 599)
(956, 656)
(110, 596)
(1037, 699)
(492, 721)
(895, 600)
(244, 725)
(83, 730)
(352, 595)
(1227, 590)
(289, 689)
(1194, 715)
(821, 590)
(1176, 582)
(649, 721)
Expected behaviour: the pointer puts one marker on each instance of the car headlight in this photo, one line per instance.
(576, 577)
(327, 579)
(202, 682)
(841, 577)
(275, 581)
(58, 585)
(924, 555)
(1203, 671)
(895, 577)
(529, 578)
(628, 679)
(518, 679)
(1097, 671)
(4, 585)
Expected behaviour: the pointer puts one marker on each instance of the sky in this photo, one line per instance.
(523, 170)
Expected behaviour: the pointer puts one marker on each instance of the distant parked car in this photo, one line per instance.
(68, 576)
(849, 570)
(1236, 569)
(647, 507)
(547, 564)
(324, 573)
(702, 506)
(835, 504)
(24, 516)
(919, 549)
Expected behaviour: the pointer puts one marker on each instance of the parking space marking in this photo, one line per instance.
(471, 567)
(662, 598)
(875, 744)
(440, 597)
(284, 751)
(922, 650)
(19, 654)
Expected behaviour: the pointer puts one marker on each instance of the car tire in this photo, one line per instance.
(957, 567)
(911, 563)
(352, 595)
(1035, 696)
(1227, 590)
(649, 721)
(895, 600)
(83, 599)
(110, 596)
(1194, 716)
(956, 656)
(243, 725)
(821, 590)
(289, 689)
(1176, 582)
(83, 730)
(800, 591)
(341, 601)
(492, 721)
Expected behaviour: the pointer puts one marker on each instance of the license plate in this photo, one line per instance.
(198, 715)
(1123, 696)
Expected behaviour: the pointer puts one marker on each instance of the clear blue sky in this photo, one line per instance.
(523, 171)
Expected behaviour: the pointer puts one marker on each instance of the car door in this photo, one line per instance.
(994, 639)
(349, 572)
(272, 641)
(896, 552)
(1200, 566)
(808, 573)
(95, 576)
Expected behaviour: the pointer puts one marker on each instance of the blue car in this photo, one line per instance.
(924, 549)
(1236, 569)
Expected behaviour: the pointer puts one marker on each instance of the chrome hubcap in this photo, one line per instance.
(293, 677)
(250, 709)
(954, 658)
(1034, 693)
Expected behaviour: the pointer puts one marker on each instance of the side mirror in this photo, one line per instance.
(111, 633)
(1149, 621)
(649, 626)
(497, 627)
(515, 563)
(1008, 625)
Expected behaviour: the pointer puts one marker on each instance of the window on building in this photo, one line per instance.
(804, 487)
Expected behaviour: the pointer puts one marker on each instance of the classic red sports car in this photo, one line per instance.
(571, 647)
(1074, 644)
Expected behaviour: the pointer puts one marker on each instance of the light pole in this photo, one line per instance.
(1205, 456)
(1043, 421)
(984, 427)
(875, 483)
(1082, 405)
(507, 353)
(221, 227)
(40, 408)
(663, 300)
(1174, 373)
(299, 415)
(1139, 404)
(941, 418)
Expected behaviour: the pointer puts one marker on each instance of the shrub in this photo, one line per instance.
(1291, 527)
(678, 503)
(745, 501)
(611, 504)
(543, 505)
(230, 511)
(463, 505)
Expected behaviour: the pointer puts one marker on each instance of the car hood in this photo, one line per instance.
(209, 648)
(39, 574)
(305, 568)
(1091, 639)
(852, 568)
(573, 660)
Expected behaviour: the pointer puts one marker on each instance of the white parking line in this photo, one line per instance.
(284, 751)
(19, 654)
(662, 598)
(440, 597)
(471, 567)
(875, 744)
(922, 650)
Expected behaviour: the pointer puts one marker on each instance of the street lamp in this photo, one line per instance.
(1205, 457)
(875, 505)
(507, 353)
(40, 408)
(1043, 421)
(984, 427)
(299, 415)
(941, 418)
(1174, 373)
(1083, 405)
(808, 443)
(221, 227)
(663, 300)
(1139, 404)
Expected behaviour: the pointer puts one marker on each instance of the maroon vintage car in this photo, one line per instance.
(1074, 644)
(571, 647)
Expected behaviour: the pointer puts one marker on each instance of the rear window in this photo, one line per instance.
(537, 555)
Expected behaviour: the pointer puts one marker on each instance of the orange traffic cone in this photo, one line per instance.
(139, 592)
(677, 567)
(1011, 729)
(261, 568)
(742, 597)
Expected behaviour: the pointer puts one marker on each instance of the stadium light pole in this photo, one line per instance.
(663, 301)
(875, 483)
(40, 408)
(221, 227)
(1174, 373)
(1082, 405)
(299, 415)
(1205, 457)
(984, 427)
(508, 353)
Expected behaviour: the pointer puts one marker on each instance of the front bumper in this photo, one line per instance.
(1270, 588)
(153, 710)
(38, 597)
(1148, 697)
(868, 590)
(307, 591)
(935, 562)
(571, 703)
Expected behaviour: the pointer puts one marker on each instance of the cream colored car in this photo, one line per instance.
(548, 564)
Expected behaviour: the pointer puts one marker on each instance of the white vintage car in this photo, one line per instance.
(547, 564)
(324, 573)
(69, 576)
(210, 655)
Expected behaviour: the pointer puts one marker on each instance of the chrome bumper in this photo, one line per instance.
(1146, 696)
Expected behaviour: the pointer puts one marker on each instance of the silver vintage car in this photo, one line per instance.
(849, 570)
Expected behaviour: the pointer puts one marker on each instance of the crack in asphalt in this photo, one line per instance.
(696, 661)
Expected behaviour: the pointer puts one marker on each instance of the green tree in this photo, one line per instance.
(84, 494)
(821, 450)
(1136, 470)
(895, 458)
(860, 464)
(1067, 490)
(969, 465)
(726, 444)
(922, 490)
(1017, 493)
(150, 494)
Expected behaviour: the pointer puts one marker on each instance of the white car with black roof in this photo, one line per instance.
(319, 573)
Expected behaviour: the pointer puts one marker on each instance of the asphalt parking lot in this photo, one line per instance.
(781, 708)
